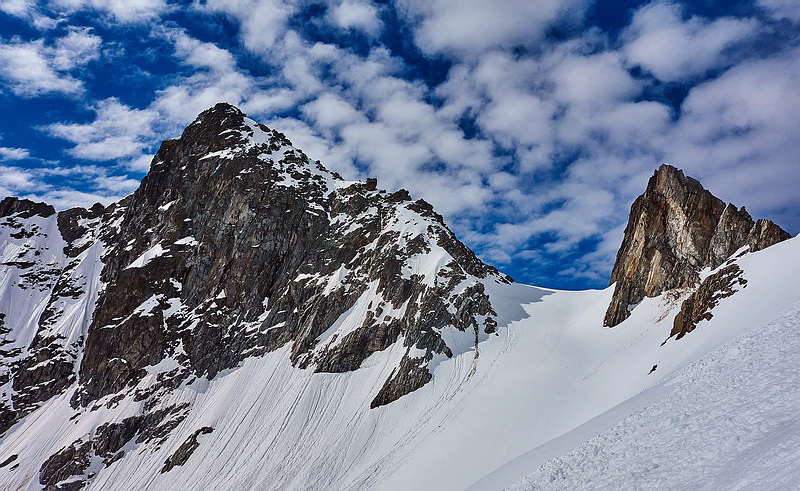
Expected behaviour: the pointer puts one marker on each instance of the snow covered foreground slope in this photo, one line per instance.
(721, 425)
(726, 421)
(552, 369)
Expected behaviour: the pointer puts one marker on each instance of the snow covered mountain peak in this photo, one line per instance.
(223, 144)
(236, 245)
(248, 320)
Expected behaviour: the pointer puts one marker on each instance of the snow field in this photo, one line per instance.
(729, 421)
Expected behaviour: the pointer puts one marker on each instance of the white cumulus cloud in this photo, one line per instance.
(661, 41)
(118, 133)
(8, 153)
(470, 27)
(119, 10)
(37, 67)
(359, 15)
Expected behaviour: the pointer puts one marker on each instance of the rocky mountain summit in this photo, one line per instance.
(676, 229)
(236, 244)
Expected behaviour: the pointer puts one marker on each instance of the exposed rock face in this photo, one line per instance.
(46, 291)
(74, 465)
(676, 228)
(697, 307)
(236, 244)
(181, 456)
(24, 208)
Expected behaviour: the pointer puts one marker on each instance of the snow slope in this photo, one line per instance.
(552, 384)
(726, 421)
(38, 249)
(721, 425)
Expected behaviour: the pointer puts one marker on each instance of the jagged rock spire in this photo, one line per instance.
(675, 229)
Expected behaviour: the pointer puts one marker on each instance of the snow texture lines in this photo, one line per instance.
(730, 421)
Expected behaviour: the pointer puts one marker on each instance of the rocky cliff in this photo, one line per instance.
(237, 244)
(677, 228)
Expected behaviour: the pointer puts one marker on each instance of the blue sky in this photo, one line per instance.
(531, 125)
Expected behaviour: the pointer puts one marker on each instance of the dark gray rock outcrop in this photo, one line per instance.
(73, 466)
(677, 228)
(698, 305)
(24, 208)
(237, 243)
(187, 448)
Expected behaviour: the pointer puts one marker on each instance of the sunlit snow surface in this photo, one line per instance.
(553, 384)
(729, 421)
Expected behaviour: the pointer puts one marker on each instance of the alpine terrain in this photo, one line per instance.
(247, 319)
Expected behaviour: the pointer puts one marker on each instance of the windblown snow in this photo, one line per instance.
(554, 400)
